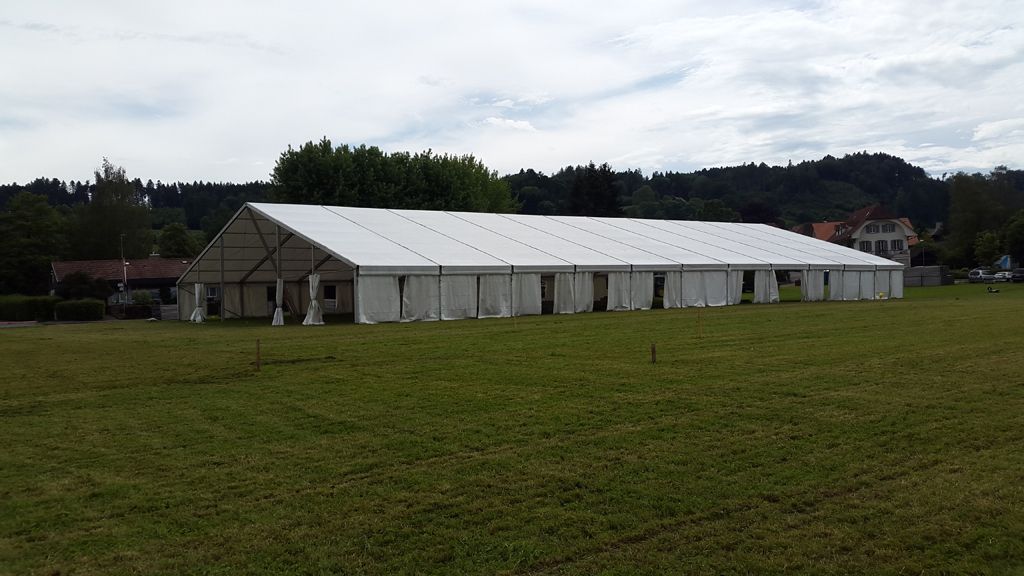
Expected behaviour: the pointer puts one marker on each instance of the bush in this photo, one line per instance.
(81, 285)
(88, 309)
(142, 297)
(18, 308)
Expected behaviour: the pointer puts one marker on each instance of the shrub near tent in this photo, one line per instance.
(88, 309)
(18, 308)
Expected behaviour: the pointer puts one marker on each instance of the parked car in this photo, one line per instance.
(1003, 276)
(981, 275)
(1017, 275)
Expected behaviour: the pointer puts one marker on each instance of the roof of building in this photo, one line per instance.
(152, 268)
(840, 231)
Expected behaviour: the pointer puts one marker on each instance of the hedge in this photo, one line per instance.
(88, 309)
(18, 308)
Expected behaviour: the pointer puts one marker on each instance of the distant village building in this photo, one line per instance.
(150, 274)
(873, 229)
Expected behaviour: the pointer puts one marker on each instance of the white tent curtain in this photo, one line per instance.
(882, 284)
(835, 284)
(421, 298)
(458, 297)
(377, 299)
(672, 297)
(766, 287)
(526, 294)
(641, 290)
(867, 285)
(851, 285)
(495, 296)
(618, 291)
(314, 315)
(735, 287)
(583, 289)
(278, 303)
(692, 290)
(812, 285)
(564, 294)
(896, 283)
(716, 287)
(199, 313)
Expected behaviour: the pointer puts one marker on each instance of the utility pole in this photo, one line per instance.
(124, 280)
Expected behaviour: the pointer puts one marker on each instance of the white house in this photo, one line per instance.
(873, 230)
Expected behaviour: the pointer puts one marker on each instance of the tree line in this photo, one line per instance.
(49, 219)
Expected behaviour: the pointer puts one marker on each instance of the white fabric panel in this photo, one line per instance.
(835, 284)
(199, 312)
(896, 283)
(812, 285)
(526, 294)
(565, 294)
(692, 290)
(458, 297)
(735, 287)
(278, 303)
(673, 295)
(421, 298)
(716, 287)
(454, 256)
(882, 283)
(315, 315)
(377, 299)
(583, 292)
(360, 245)
(526, 258)
(641, 286)
(618, 291)
(851, 284)
(495, 296)
(231, 301)
(766, 287)
(345, 293)
(867, 285)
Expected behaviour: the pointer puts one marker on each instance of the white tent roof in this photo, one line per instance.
(340, 240)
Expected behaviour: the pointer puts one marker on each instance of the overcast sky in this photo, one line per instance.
(217, 90)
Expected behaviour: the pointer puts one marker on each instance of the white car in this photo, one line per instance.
(1004, 276)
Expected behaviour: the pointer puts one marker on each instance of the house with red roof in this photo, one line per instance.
(151, 274)
(873, 229)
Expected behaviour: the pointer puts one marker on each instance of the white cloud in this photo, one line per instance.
(171, 90)
(507, 123)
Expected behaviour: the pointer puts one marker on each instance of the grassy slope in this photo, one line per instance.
(831, 437)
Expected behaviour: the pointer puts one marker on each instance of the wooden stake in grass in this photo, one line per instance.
(654, 353)
(257, 354)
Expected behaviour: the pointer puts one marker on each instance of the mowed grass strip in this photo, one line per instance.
(871, 437)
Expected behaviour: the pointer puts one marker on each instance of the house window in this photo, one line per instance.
(881, 246)
(865, 246)
(888, 228)
(871, 229)
(896, 245)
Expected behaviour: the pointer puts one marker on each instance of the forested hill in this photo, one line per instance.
(817, 190)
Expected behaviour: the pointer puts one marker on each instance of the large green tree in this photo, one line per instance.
(116, 212)
(319, 173)
(177, 242)
(31, 236)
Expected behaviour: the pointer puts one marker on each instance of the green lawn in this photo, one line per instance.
(864, 437)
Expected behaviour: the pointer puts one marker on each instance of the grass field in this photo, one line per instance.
(865, 437)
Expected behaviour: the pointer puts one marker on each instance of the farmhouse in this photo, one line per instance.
(150, 274)
(873, 230)
(386, 265)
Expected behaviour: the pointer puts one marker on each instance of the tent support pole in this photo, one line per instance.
(222, 295)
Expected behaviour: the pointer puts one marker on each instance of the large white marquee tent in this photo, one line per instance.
(386, 265)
